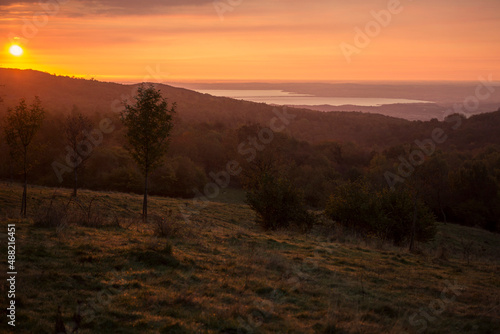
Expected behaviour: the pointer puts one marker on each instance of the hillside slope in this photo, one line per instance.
(224, 275)
(59, 95)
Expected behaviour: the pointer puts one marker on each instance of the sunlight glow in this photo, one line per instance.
(16, 50)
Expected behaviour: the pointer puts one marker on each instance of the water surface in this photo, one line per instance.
(287, 98)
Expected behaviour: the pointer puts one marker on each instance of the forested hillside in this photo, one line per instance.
(456, 160)
(61, 94)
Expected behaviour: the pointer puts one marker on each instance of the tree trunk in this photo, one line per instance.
(413, 225)
(145, 202)
(444, 216)
(441, 207)
(25, 188)
(75, 184)
(23, 202)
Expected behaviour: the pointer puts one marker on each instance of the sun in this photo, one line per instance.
(16, 50)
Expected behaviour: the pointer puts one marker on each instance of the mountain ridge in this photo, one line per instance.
(60, 93)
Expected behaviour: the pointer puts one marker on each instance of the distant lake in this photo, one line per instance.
(281, 97)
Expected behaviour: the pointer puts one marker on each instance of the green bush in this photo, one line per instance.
(387, 214)
(352, 206)
(177, 177)
(278, 203)
(396, 213)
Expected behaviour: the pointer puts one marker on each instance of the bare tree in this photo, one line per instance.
(76, 129)
(149, 122)
(22, 124)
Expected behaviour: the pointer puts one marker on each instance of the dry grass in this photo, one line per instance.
(219, 273)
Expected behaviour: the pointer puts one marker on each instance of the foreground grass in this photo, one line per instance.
(219, 273)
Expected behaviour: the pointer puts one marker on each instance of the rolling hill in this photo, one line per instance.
(59, 94)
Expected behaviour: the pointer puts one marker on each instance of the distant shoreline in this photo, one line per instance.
(281, 97)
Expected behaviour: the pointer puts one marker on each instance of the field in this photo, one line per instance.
(220, 273)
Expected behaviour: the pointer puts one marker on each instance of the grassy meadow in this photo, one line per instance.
(107, 272)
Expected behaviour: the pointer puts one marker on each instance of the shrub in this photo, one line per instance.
(75, 211)
(167, 226)
(387, 215)
(177, 178)
(397, 211)
(352, 206)
(53, 215)
(122, 178)
(88, 215)
(278, 203)
(475, 213)
(477, 195)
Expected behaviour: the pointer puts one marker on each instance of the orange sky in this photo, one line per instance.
(257, 40)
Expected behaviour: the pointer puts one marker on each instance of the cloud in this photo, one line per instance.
(146, 3)
(134, 7)
(6, 3)
(116, 3)
(116, 7)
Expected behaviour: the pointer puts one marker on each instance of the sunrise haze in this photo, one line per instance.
(201, 40)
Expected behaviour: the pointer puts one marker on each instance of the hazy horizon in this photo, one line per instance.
(201, 40)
